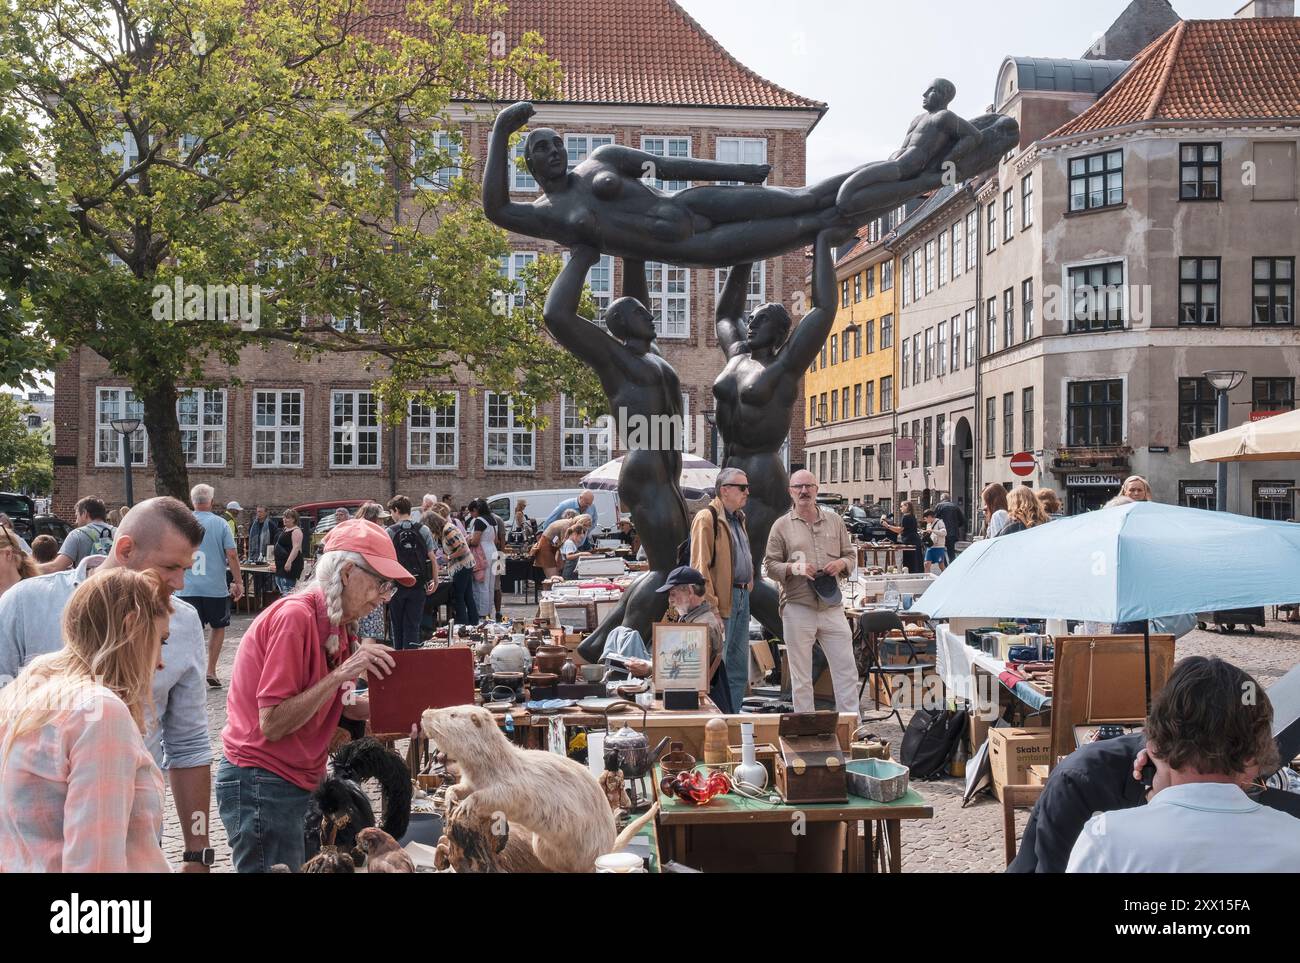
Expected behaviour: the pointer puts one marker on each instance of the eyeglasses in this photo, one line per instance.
(386, 587)
(743, 488)
(799, 488)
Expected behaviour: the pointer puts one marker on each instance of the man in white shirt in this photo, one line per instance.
(1208, 735)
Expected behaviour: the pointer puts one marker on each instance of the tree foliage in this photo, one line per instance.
(287, 158)
(25, 462)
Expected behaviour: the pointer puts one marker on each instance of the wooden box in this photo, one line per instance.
(764, 754)
(810, 763)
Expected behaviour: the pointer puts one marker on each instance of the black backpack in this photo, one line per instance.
(412, 553)
(930, 740)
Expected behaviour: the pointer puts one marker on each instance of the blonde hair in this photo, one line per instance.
(443, 509)
(1135, 478)
(26, 564)
(109, 640)
(1023, 506)
(370, 511)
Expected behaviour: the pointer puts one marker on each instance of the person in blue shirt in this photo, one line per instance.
(584, 504)
(205, 580)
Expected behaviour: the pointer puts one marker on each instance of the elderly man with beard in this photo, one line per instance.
(293, 681)
(808, 551)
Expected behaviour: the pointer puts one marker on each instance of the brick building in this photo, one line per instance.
(641, 73)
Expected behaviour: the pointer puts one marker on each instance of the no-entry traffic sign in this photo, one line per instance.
(1023, 463)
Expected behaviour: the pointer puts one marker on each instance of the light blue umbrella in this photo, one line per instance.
(1132, 562)
(1123, 564)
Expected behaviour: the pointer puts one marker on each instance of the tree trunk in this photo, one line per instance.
(172, 477)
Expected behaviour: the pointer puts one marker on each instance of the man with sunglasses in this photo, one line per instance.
(294, 679)
(808, 551)
(720, 552)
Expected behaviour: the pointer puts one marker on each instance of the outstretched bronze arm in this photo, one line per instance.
(728, 317)
(574, 332)
(498, 207)
(640, 163)
(812, 331)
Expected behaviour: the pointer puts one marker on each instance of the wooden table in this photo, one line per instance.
(247, 572)
(869, 554)
(878, 848)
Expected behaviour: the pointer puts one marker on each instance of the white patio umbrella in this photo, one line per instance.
(1271, 439)
(697, 479)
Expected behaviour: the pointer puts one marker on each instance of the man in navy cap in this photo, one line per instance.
(686, 603)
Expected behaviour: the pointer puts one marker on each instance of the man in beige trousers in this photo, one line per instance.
(805, 543)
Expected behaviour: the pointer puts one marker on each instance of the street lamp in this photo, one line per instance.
(1222, 381)
(126, 427)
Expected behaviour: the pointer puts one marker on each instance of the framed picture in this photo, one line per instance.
(573, 616)
(605, 609)
(681, 656)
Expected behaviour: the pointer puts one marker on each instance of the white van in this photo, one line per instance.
(543, 501)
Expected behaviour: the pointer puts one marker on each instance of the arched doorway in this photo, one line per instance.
(963, 455)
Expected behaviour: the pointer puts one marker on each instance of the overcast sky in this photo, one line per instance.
(870, 60)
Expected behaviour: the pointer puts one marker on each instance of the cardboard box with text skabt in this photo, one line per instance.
(1013, 751)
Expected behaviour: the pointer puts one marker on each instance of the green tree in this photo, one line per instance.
(25, 461)
(281, 165)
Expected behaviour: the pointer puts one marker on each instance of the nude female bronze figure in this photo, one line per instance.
(639, 384)
(756, 393)
(605, 204)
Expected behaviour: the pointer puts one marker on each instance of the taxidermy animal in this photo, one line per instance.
(383, 855)
(330, 860)
(339, 808)
(549, 796)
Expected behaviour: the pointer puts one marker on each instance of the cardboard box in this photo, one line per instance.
(1011, 753)
(1038, 775)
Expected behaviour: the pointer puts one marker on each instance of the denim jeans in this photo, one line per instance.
(263, 815)
(405, 612)
(462, 597)
(736, 654)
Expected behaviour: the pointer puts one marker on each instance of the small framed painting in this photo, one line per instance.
(681, 656)
(604, 610)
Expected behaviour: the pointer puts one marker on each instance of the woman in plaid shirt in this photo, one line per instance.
(460, 564)
(79, 791)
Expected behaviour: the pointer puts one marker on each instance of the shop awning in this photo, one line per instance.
(1276, 438)
(1122, 564)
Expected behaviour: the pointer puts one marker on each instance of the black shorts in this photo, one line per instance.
(213, 612)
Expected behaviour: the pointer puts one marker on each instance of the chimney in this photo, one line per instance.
(1267, 8)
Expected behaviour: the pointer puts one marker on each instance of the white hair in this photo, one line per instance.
(429, 500)
(329, 576)
(202, 495)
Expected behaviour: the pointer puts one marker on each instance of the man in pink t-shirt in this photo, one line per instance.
(287, 693)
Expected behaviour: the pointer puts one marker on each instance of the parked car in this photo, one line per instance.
(27, 523)
(862, 523)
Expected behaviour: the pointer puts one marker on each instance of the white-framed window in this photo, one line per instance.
(113, 403)
(507, 443)
(601, 281)
(670, 299)
(757, 293)
(354, 429)
(511, 267)
(668, 147)
(433, 435)
(376, 151)
(584, 445)
(128, 154)
(202, 416)
(741, 150)
(958, 258)
(446, 143)
(277, 429)
(521, 180)
(972, 239)
(580, 146)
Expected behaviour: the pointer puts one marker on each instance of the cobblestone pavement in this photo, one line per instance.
(956, 840)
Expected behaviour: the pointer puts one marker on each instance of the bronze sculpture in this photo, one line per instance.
(603, 206)
(756, 393)
(639, 385)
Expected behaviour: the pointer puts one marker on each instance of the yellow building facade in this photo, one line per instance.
(851, 389)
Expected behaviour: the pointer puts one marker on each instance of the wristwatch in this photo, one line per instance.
(205, 856)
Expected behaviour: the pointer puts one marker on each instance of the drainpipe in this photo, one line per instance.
(977, 429)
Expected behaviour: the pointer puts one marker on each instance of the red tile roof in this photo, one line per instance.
(1239, 69)
(645, 52)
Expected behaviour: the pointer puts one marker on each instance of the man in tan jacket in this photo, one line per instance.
(720, 552)
(808, 552)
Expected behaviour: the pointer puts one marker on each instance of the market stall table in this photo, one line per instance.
(880, 845)
(871, 553)
(956, 663)
(247, 570)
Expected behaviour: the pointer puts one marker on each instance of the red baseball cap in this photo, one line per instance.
(373, 544)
